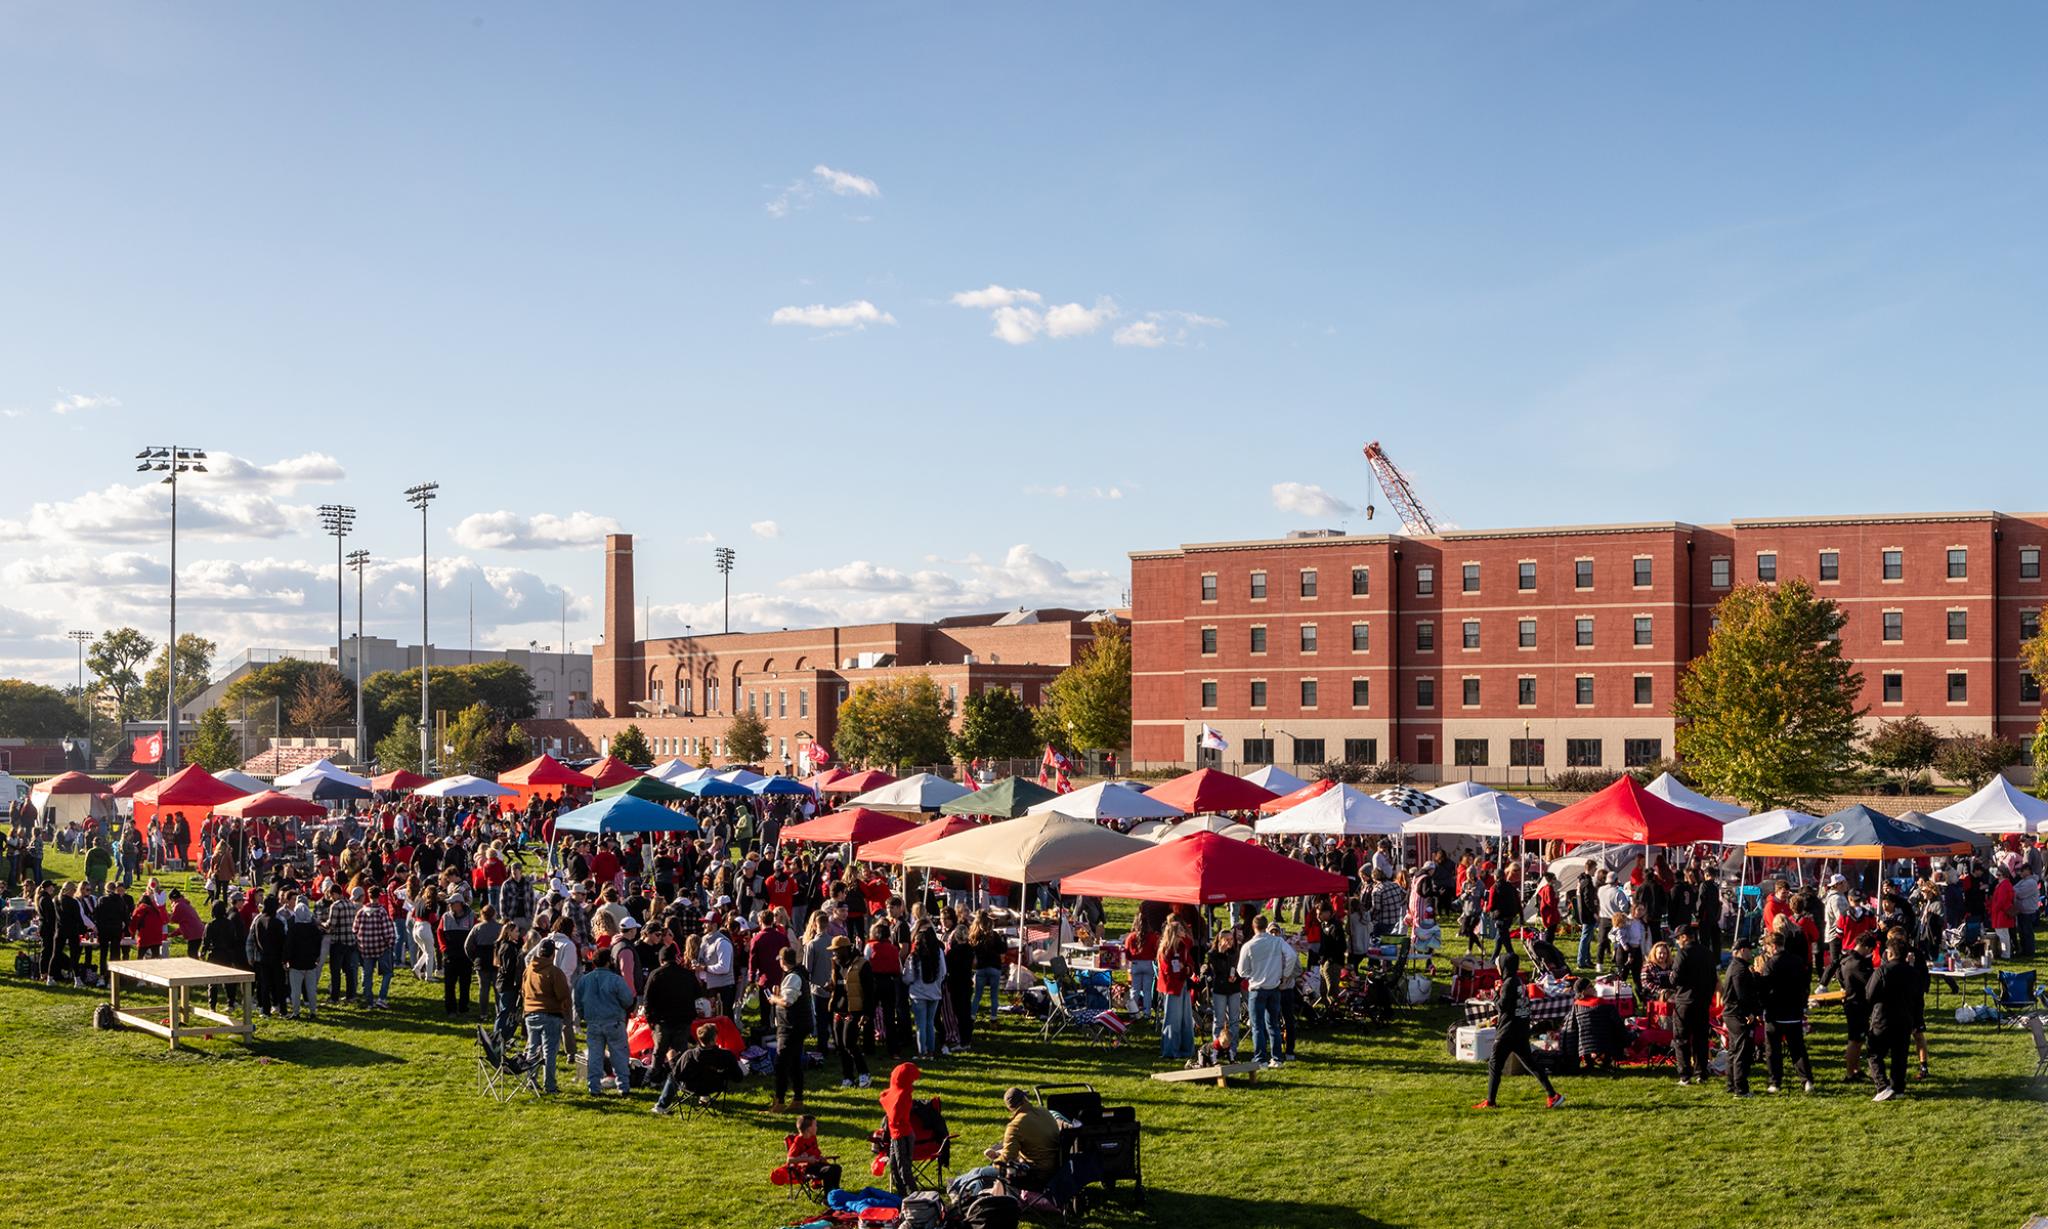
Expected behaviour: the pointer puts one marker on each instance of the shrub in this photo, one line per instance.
(1583, 780)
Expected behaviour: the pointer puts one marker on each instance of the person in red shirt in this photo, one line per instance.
(147, 925)
(1176, 972)
(885, 961)
(1779, 904)
(186, 921)
(1141, 956)
(604, 865)
(897, 1102)
(782, 889)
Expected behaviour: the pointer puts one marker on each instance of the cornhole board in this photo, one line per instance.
(179, 976)
(1220, 1073)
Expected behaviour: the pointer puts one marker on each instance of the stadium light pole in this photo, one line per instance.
(83, 639)
(337, 519)
(359, 559)
(419, 497)
(171, 460)
(725, 555)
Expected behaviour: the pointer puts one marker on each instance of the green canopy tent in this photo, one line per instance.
(1006, 799)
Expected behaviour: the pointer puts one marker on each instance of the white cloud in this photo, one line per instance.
(766, 529)
(845, 183)
(705, 538)
(72, 403)
(1310, 500)
(13, 413)
(1018, 317)
(1146, 333)
(1017, 325)
(855, 315)
(513, 531)
(1165, 328)
(1062, 491)
(136, 514)
(225, 468)
(993, 295)
(1074, 320)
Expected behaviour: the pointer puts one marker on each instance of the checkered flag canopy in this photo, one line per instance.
(1409, 799)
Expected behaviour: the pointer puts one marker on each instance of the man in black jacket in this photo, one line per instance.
(1693, 984)
(1894, 993)
(1586, 912)
(1709, 912)
(110, 919)
(1742, 1009)
(1854, 968)
(671, 998)
(1788, 977)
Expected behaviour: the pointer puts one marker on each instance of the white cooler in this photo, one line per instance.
(1474, 1045)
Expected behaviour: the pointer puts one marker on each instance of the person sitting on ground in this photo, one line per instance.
(1595, 1027)
(704, 1071)
(807, 1159)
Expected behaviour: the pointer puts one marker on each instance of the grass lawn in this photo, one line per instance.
(371, 1118)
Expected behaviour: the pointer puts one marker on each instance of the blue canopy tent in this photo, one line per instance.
(780, 785)
(625, 813)
(712, 787)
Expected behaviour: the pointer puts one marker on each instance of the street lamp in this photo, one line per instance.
(724, 556)
(337, 519)
(83, 639)
(171, 460)
(419, 497)
(359, 559)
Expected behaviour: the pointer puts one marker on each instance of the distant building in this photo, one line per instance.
(561, 681)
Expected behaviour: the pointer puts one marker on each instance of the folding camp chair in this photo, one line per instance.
(2038, 1026)
(802, 1181)
(502, 1071)
(1072, 1010)
(2016, 995)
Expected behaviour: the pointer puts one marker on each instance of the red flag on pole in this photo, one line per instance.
(1045, 766)
(148, 749)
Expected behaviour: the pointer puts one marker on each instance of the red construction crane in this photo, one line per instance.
(1414, 517)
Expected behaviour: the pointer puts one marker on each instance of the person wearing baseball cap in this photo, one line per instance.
(716, 960)
(1742, 1010)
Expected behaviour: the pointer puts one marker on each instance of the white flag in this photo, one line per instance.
(1213, 741)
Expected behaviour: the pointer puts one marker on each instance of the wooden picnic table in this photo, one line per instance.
(179, 976)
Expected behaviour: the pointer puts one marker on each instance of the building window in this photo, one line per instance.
(1258, 693)
(1361, 750)
(1471, 630)
(1830, 565)
(1582, 574)
(1525, 691)
(1958, 563)
(1717, 573)
(1525, 633)
(2030, 563)
(1361, 581)
(1471, 578)
(1894, 565)
(1308, 582)
(1644, 573)
(1468, 752)
(1958, 687)
(1208, 693)
(750, 700)
(782, 702)
(1582, 633)
(1525, 753)
(1425, 693)
(1258, 584)
(1958, 625)
(1308, 750)
(1308, 637)
(1582, 753)
(2030, 688)
(1361, 637)
(1643, 630)
(803, 703)
(1208, 641)
(1641, 752)
(1767, 566)
(2030, 625)
(1643, 689)
(1258, 750)
(1425, 637)
(1361, 693)
(1425, 581)
(1582, 690)
(1894, 625)
(1471, 693)
(1894, 688)
(1525, 576)
(1308, 694)
(842, 694)
(1258, 638)
(1209, 588)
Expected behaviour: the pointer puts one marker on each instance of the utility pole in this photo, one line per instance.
(337, 519)
(725, 555)
(83, 639)
(171, 460)
(359, 559)
(419, 497)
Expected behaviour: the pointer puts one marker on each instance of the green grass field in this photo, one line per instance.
(372, 1118)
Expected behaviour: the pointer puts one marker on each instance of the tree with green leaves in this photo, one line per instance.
(506, 746)
(216, 748)
(897, 722)
(1973, 759)
(465, 737)
(503, 687)
(400, 747)
(113, 659)
(1768, 714)
(1905, 746)
(195, 670)
(994, 725)
(746, 739)
(31, 710)
(2041, 757)
(631, 746)
(1089, 704)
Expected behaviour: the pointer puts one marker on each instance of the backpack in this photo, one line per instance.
(991, 1211)
(103, 1017)
(24, 965)
(923, 1210)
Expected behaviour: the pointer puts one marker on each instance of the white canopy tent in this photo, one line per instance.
(1151, 829)
(1674, 791)
(1343, 811)
(1458, 791)
(1106, 800)
(1997, 808)
(463, 785)
(67, 808)
(319, 768)
(739, 776)
(1205, 823)
(1764, 825)
(241, 781)
(1492, 815)
(668, 770)
(1032, 849)
(921, 792)
(1275, 779)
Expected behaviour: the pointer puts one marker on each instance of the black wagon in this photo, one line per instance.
(1103, 1144)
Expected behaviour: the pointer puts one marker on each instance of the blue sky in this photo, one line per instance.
(1569, 263)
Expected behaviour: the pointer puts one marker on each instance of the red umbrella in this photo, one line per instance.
(857, 826)
(134, 783)
(1311, 790)
(270, 805)
(547, 770)
(611, 771)
(1624, 814)
(857, 782)
(399, 780)
(890, 848)
(1207, 868)
(1206, 791)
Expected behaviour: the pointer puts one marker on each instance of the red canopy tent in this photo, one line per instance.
(1206, 791)
(611, 771)
(1312, 790)
(398, 781)
(1624, 814)
(857, 782)
(545, 777)
(73, 783)
(134, 783)
(856, 825)
(1207, 868)
(827, 776)
(270, 805)
(890, 848)
(191, 792)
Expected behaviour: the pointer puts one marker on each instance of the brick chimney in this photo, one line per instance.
(616, 663)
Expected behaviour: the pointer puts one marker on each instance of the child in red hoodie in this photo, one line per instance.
(902, 1127)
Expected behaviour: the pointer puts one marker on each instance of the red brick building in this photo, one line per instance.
(1504, 653)
(683, 691)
